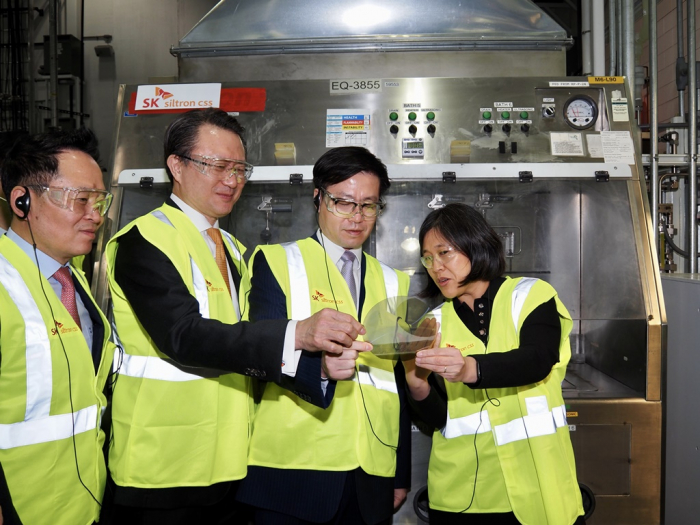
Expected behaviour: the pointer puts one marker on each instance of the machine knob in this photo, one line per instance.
(548, 112)
(431, 129)
(525, 128)
(506, 128)
(394, 129)
(488, 128)
(412, 129)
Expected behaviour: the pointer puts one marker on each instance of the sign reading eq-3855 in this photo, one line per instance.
(351, 85)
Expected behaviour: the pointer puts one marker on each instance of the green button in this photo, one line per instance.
(487, 115)
(393, 115)
(430, 115)
(505, 114)
(523, 114)
(411, 116)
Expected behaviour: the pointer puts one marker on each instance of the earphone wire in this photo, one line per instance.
(65, 354)
(494, 401)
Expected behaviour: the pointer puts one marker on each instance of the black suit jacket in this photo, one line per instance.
(311, 494)
(170, 315)
(98, 329)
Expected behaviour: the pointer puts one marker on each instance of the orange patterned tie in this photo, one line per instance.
(220, 257)
(63, 276)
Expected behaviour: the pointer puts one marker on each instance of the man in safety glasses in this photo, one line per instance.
(55, 353)
(181, 409)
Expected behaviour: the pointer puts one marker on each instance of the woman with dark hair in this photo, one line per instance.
(501, 453)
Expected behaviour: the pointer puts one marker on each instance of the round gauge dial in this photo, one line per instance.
(580, 112)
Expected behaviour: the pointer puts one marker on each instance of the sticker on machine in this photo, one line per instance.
(177, 96)
(566, 144)
(619, 107)
(347, 127)
(617, 147)
(595, 146)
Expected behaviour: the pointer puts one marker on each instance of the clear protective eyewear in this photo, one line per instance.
(221, 169)
(442, 257)
(347, 209)
(77, 200)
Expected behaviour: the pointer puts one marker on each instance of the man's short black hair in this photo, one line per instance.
(33, 160)
(468, 232)
(181, 135)
(339, 164)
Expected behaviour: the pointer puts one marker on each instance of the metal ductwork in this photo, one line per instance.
(251, 27)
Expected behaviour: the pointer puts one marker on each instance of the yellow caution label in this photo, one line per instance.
(606, 80)
(572, 414)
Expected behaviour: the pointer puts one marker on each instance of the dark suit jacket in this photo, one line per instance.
(170, 315)
(311, 494)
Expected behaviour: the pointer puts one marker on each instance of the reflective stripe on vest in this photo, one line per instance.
(539, 421)
(467, 425)
(301, 309)
(391, 280)
(151, 367)
(378, 378)
(231, 244)
(298, 282)
(520, 292)
(38, 426)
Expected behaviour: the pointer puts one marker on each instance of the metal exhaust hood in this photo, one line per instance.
(271, 27)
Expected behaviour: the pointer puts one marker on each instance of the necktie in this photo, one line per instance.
(220, 256)
(63, 276)
(346, 271)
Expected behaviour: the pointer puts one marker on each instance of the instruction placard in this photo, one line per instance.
(617, 147)
(347, 127)
(620, 113)
(566, 144)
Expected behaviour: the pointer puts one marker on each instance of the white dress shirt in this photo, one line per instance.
(290, 355)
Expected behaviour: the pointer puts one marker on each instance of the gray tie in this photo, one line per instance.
(346, 271)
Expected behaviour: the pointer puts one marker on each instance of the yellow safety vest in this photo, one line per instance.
(176, 426)
(289, 433)
(37, 422)
(526, 461)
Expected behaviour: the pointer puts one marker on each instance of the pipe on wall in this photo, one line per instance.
(586, 64)
(681, 57)
(692, 141)
(53, 62)
(618, 31)
(598, 36)
(653, 121)
(612, 39)
(627, 26)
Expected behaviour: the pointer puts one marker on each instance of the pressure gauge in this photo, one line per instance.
(580, 112)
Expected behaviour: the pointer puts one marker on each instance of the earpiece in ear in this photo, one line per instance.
(317, 199)
(22, 204)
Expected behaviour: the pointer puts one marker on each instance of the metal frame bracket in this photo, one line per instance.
(602, 176)
(525, 176)
(449, 176)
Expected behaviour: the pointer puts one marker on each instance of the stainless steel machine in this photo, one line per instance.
(549, 160)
